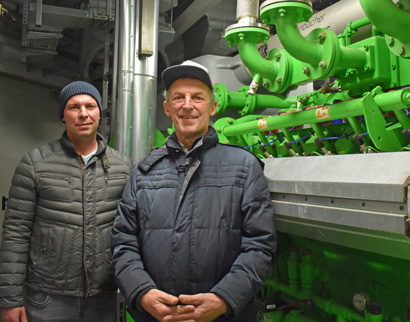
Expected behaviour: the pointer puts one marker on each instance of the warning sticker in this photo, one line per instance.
(322, 113)
(263, 124)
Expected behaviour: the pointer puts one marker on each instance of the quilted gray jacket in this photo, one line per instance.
(195, 223)
(56, 231)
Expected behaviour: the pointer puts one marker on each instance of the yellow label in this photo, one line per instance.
(263, 124)
(322, 113)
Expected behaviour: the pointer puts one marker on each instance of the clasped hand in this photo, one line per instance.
(201, 307)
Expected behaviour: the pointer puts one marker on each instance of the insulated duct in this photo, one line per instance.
(137, 80)
(126, 48)
(247, 10)
(145, 77)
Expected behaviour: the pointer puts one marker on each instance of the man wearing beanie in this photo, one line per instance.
(55, 257)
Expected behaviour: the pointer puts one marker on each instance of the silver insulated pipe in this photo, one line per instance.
(137, 77)
(123, 139)
(247, 10)
(145, 77)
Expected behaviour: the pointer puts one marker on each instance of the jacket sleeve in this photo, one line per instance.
(258, 244)
(130, 276)
(17, 227)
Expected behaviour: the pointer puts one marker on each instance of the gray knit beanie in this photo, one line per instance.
(76, 88)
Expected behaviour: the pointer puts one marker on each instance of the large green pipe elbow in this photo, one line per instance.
(286, 15)
(253, 60)
(388, 18)
(295, 44)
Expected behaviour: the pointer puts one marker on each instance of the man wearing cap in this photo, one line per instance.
(61, 206)
(194, 236)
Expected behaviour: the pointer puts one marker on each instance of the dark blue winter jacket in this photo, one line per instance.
(196, 223)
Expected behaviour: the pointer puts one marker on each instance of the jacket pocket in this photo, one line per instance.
(114, 186)
(55, 187)
(38, 299)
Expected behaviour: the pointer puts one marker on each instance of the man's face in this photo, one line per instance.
(81, 116)
(189, 106)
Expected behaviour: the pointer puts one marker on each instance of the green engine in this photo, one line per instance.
(336, 159)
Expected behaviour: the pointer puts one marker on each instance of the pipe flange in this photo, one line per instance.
(269, 2)
(220, 126)
(236, 34)
(221, 96)
(331, 54)
(398, 47)
(246, 24)
(300, 10)
(280, 59)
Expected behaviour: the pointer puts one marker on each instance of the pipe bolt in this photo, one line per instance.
(241, 36)
(278, 80)
(390, 41)
(265, 84)
(366, 48)
(400, 51)
(282, 12)
(218, 130)
(230, 121)
(323, 64)
(306, 70)
(277, 56)
(322, 35)
(406, 101)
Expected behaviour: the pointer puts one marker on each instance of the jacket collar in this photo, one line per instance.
(69, 146)
(172, 147)
(200, 144)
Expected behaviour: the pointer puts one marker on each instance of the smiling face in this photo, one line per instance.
(82, 117)
(189, 105)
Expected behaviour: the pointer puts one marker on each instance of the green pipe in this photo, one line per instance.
(265, 142)
(357, 128)
(242, 99)
(242, 141)
(253, 60)
(388, 18)
(351, 29)
(306, 272)
(297, 316)
(329, 306)
(393, 101)
(351, 58)
(319, 133)
(347, 109)
(295, 44)
(403, 118)
(286, 16)
(293, 269)
(237, 100)
(362, 22)
(289, 137)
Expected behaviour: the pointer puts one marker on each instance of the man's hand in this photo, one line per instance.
(14, 314)
(160, 304)
(208, 306)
